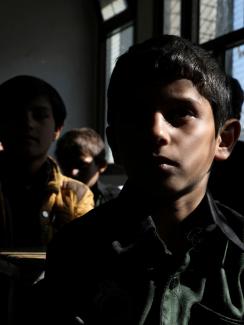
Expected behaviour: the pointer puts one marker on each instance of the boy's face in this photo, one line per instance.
(85, 170)
(31, 131)
(168, 142)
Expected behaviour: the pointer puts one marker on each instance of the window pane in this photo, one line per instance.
(238, 14)
(116, 45)
(111, 8)
(172, 10)
(218, 17)
(235, 67)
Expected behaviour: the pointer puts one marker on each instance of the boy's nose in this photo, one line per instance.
(29, 120)
(160, 128)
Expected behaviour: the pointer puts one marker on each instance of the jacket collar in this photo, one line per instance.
(208, 216)
(222, 222)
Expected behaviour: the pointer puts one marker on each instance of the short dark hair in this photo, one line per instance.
(21, 89)
(237, 98)
(80, 141)
(165, 59)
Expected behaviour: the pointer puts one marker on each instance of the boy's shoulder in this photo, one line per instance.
(232, 216)
(101, 218)
(93, 230)
(65, 182)
(232, 223)
(75, 186)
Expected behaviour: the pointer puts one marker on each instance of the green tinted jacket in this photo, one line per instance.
(115, 269)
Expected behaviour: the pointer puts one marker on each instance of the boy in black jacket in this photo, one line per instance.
(163, 252)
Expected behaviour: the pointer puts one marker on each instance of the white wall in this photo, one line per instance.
(55, 40)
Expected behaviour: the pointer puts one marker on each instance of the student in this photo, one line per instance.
(163, 252)
(81, 155)
(226, 177)
(36, 199)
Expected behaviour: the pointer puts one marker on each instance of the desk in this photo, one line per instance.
(18, 271)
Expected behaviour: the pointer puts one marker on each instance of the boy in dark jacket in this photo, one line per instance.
(36, 199)
(163, 252)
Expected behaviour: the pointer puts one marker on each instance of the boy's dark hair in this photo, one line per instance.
(77, 142)
(164, 60)
(20, 90)
(237, 98)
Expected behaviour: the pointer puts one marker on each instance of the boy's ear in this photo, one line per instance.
(57, 132)
(228, 137)
(103, 167)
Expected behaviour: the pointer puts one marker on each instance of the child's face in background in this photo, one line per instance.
(85, 170)
(168, 142)
(30, 131)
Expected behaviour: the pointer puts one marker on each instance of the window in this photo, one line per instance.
(215, 19)
(117, 35)
(218, 25)
(223, 26)
(172, 17)
(116, 45)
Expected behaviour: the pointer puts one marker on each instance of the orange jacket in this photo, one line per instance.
(66, 199)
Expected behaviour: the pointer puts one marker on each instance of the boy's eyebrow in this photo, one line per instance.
(38, 106)
(180, 100)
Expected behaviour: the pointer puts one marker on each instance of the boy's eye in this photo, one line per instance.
(40, 113)
(179, 116)
(83, 165)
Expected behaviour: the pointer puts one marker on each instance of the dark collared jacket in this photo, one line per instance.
(104, 192)
(110, 267)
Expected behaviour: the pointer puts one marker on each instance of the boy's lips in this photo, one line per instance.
(164, 164)
(29, 137)
(164, 161)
